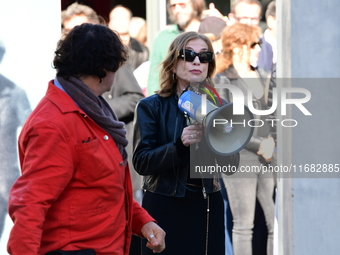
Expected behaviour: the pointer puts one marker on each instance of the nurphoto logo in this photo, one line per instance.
(239, 99)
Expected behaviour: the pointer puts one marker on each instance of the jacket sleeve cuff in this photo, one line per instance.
(139, 218)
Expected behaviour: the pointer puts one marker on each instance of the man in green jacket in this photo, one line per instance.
(185, 16)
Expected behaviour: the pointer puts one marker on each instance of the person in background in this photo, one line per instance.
(212, 27)
(249, 12)
(185, 16)
(120, 20)
(76, 14)
(14, 109)
(245, 12)
(241, 47)
(75, 189)
(124, 94)
(138, 30)
(269, 36)
(189, 209)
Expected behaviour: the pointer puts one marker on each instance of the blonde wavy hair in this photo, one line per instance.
(232, 37)
(167, 77)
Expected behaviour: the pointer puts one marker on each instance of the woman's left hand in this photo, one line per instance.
(191, 134)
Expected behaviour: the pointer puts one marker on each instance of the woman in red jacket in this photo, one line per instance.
(75, 190)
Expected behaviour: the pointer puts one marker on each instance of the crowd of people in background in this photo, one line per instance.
(218, 215)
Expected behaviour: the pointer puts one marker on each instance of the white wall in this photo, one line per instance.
(308, 43)
(30, 30)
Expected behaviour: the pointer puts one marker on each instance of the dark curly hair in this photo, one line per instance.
(89, 49)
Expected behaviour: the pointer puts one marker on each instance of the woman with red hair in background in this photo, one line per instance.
(241, 46)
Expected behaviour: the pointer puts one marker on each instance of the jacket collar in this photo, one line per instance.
(61, 99)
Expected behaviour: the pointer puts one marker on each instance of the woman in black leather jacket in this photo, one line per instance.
(241, 47)
(190, 210)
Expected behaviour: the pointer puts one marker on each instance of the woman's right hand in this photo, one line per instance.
(191, 134)
(266, 149)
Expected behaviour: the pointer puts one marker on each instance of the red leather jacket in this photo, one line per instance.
(75, 191)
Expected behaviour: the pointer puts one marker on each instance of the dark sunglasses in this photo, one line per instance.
(253, 45)
(189, 56)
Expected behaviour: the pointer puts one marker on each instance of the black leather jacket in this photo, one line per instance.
(160, 155)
